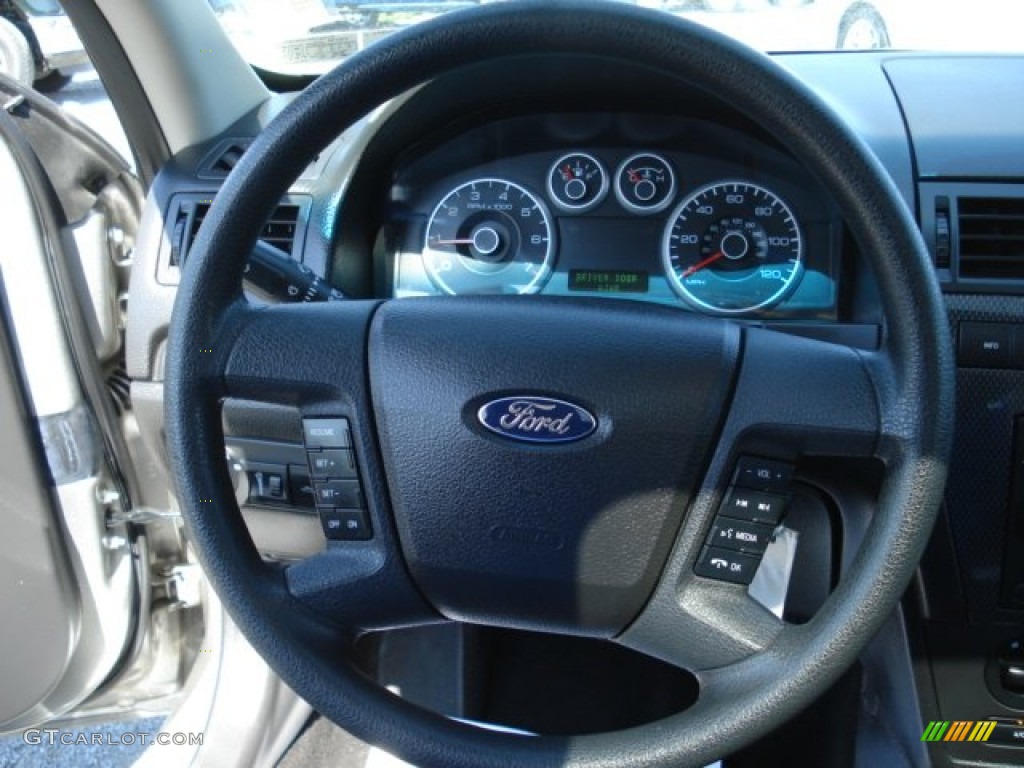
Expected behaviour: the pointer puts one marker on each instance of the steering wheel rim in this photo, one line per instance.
(214, 335)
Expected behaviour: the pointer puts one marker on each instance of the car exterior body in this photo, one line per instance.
(48, 35)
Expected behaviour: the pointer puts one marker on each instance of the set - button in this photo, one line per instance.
(740, 533)
(337, 491)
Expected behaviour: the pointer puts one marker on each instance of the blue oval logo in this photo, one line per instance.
(537, 419)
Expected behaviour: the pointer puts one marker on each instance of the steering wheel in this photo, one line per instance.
(597, 537)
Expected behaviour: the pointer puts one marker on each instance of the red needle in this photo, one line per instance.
(701, 264)
(463, 241)
(568, 173)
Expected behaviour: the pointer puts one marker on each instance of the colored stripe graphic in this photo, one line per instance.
(958, 730)
(983, 730)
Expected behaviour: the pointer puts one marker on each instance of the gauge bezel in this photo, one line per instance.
(598, 199)
(545, 269)
(646, 210)
(684, 293)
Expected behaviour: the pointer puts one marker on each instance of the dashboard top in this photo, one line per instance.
(371, 213)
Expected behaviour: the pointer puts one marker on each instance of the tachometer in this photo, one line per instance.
(732, 247)
(489, 236)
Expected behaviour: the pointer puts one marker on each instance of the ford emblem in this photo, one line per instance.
(537, 419)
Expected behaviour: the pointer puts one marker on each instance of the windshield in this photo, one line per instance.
(311, 36)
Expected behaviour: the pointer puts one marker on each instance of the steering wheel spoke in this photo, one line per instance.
(811, 396)
(793, 397)
(312, 356)
(360, 586)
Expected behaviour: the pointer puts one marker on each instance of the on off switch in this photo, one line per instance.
(345, 524)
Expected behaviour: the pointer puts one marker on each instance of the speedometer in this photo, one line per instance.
(732, 247)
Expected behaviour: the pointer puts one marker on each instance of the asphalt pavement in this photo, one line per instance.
(114, 745)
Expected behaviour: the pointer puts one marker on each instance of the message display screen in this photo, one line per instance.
(607, 280)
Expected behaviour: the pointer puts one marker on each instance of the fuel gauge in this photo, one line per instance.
(577, 182)
(645, 183)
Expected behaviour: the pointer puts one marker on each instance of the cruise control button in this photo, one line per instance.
(326, 433)
(763, 474)
(345, 524)
(339, 493)
(753, 505)
(742, 535)
(333, 465)
(727, 565)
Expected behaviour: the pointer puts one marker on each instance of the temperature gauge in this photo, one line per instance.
(645, 183)
(577, 182)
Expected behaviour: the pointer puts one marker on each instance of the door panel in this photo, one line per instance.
(69, 592)
(37, 596)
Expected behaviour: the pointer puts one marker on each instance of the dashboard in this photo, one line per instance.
(625, 205)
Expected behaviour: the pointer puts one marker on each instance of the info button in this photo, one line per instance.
(1007, 735)
(985, 345)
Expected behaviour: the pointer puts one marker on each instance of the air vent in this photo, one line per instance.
(991, 237)
(279, 230)
(223, 159)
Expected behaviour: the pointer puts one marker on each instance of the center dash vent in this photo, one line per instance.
(991, 237)
(279, 230)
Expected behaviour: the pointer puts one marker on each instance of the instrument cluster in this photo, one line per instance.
(685, 222)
